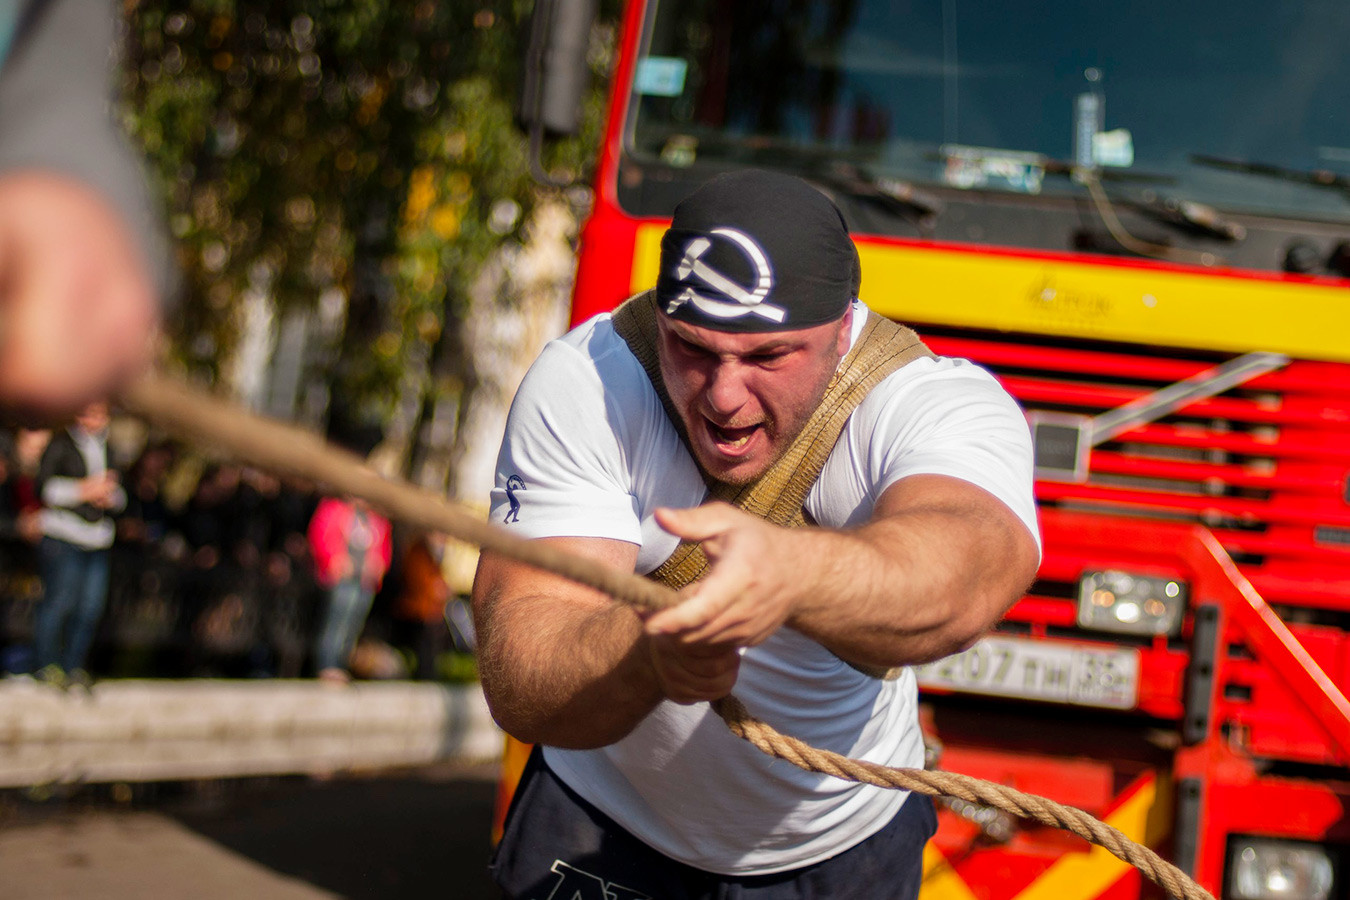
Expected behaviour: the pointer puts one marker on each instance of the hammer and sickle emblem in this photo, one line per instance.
(747, 300)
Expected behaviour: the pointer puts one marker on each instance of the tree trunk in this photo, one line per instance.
(517, 304)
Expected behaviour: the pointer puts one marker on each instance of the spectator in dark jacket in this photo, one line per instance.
(79, 492)
(20, 452)
(18, 507)
(145, 563)
(9, 504)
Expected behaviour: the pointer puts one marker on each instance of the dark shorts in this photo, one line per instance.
(557, 845)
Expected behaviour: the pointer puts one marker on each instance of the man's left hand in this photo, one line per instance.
(749, 590)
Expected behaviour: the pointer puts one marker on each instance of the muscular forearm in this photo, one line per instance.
(900, 591)
(939, 563)
(565, 675)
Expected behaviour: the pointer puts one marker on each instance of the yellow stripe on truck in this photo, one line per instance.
(1083, 875)
(1143, 818)
(1111, 302)
(940, 880)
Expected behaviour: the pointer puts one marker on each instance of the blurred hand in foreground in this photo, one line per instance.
(77, 305)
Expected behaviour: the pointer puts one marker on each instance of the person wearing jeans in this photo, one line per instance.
(79, 493)
(76, 585)
(351, 547)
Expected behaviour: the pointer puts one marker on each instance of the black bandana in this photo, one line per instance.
(757, 251)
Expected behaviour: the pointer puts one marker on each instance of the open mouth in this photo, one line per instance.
(729, 438)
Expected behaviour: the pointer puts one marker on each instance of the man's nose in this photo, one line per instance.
(726, 391)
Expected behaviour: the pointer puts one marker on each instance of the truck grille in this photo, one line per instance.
(1263, 465)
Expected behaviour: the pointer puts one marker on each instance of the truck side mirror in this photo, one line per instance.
(556, 74)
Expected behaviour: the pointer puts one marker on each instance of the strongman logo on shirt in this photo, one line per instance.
(718, 295)
(574, 884)
(513, 484)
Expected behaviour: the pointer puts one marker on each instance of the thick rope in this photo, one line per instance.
(963, 787)
(225, 428)
(229, 430)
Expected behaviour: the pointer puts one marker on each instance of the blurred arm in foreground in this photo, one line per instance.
(82, 259)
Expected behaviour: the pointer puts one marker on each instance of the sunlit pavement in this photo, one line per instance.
(131, 855)
(413, 833)
(275, 790)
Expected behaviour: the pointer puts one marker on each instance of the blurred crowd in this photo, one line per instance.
(209, 570)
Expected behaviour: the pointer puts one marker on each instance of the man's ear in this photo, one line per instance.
(845, 333)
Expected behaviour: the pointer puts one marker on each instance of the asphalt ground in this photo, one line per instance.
(404, 834)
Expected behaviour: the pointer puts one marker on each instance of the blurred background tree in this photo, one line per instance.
(362, 247)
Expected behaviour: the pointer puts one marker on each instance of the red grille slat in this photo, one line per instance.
(1206, 439)
(1252, 542)
(1114, 463)
(1263, 465)
(1321, 593)
(1077, 362)
(1044, 611)
(1324, 592)
(1033, 392)
(1231, 507)
(1304, 377)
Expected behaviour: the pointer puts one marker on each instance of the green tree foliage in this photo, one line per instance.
(361, 146)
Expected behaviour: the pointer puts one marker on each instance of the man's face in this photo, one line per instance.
(743, 398)
(93, 418)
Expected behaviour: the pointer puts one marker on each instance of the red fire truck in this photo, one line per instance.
(1139, 219)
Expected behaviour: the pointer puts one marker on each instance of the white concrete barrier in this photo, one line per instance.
(168, 730)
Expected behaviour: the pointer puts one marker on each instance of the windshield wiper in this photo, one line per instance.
(1189, 215)
(1177, 212)
(1316, 177)
(1064, 167)
(894, 195)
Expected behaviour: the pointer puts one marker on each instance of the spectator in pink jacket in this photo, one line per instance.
(351, 547)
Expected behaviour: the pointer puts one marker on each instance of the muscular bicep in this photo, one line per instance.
(974, 509)
(503, 582)
(952, 530)
(953, 420)
(523, 614)
(561, 663)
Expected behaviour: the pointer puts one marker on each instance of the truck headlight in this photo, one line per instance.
(1125, 603)
(1260, 869)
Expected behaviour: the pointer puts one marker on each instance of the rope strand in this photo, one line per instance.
(193, 415)
(953, 784)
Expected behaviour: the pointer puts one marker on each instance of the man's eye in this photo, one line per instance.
(767, 358)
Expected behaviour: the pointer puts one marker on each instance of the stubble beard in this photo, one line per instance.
(779, 442)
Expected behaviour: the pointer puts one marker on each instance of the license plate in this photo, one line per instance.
(1039, 670)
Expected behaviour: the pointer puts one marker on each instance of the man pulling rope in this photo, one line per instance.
(191, 415)
(719, 282)
(753, 340)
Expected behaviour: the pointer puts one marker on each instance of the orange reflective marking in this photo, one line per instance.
(1077, 875)
(941, 881)
(1142, 816)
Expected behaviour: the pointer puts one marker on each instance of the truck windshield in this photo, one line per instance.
(1243, 105)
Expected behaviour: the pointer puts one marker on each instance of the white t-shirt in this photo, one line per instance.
(590, 452)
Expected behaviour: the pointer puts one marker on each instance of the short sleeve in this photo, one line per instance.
(950, 417)
(561, 471)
